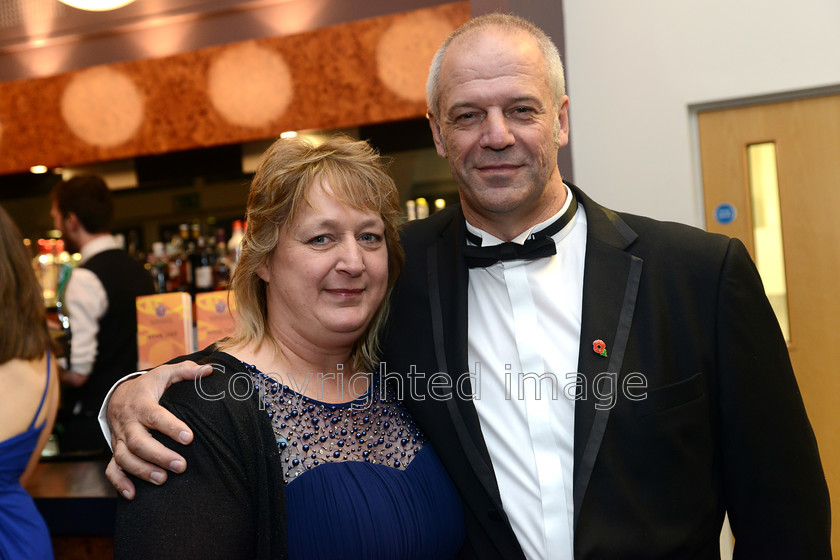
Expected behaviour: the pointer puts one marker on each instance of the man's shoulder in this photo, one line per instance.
(425, 231)
(653, 238)
(113, 260)
(82, 276)
(668, 233)
(109, 255)
(115, 267)
(644, 224)
(678, 248)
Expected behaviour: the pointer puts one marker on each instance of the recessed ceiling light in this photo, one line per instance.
(97, 5)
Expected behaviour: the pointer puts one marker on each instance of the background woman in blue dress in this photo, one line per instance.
(296, 453)
(28, 396)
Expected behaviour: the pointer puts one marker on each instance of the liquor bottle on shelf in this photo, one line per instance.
(187, 249)
(159, 268)
(47, 264)
(62, 315)
(422, 208)
(173, 254)
(195, 231)
(234, 245)
(133, 247)
(202, 262)
(221, 272)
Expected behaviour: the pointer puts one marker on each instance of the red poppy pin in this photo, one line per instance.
(599, 347)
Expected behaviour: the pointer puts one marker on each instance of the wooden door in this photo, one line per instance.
(804, 134)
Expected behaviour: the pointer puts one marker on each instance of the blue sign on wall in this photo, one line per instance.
(725, 213)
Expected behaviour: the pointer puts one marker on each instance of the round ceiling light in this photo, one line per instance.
(97, 5)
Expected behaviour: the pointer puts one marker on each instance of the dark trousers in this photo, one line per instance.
(79, 434)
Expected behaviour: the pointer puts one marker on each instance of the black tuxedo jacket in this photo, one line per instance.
(722, 426)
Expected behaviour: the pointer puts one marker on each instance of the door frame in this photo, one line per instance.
(694, 109)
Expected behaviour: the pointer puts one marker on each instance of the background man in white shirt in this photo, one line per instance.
(99, 299)
(629, 382)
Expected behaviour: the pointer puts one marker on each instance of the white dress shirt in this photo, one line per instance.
(86, 302)
(524, 317)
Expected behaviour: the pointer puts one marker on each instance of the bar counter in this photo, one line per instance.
(78, 504)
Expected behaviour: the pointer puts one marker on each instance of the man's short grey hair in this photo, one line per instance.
(510, 23)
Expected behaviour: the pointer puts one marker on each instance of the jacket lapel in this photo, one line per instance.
(448, 304)
(611, 282)
(610, 286)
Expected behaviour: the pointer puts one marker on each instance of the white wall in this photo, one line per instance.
(635, 68)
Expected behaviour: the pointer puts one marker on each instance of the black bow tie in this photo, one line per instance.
(537, 246)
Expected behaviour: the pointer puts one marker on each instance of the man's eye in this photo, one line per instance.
(465, 117)
(318, 240)
(523, 111)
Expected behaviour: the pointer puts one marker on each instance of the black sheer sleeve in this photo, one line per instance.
(229, 503)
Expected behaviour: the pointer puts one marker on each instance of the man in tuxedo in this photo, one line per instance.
(598, 385)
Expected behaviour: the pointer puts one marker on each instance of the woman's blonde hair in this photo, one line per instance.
(358, 177)
(23, 325)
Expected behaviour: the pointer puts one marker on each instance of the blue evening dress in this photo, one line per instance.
(23, 532)
(360, 478)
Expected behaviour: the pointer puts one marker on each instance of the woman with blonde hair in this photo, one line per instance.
(28, 396)
(298, 452)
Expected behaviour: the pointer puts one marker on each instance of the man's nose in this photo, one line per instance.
(496, 133)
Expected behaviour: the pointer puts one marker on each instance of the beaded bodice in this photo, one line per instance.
(374, 428)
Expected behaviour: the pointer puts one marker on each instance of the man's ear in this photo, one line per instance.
(563, 122)
(440, 144)
(72, 222)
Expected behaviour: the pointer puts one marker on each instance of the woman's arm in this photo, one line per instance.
(209, 510)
